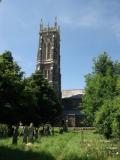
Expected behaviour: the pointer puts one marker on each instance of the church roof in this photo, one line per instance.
(76, 93)
(73, 111)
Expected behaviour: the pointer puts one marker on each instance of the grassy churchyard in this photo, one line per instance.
(74, 145)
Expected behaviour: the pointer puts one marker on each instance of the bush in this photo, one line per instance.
(108, 118)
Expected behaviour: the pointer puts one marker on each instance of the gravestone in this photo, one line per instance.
(36, 132)
(15, 135)
(30, 133)
(25, 134)
(65, 126)
(47, 130)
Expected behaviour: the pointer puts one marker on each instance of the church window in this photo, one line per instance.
(48, 51)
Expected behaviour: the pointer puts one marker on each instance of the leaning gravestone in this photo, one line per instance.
(15, 135)
(30, 133)
(25, 134)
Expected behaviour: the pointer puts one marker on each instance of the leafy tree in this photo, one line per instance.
(46, 102)
(100, 85)
(30, 99)
(11, 85)
(102, 96)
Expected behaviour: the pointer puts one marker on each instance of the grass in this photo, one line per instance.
(74, 145)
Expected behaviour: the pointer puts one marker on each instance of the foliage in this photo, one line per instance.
(103, 119)
(46, 102)
(30, 99)
(101, 92)
(11, 86)
(100, 85)
(108, 118)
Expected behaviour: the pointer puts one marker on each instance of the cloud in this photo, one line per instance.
(96, 14)
(88, 15)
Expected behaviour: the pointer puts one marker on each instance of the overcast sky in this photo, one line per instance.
(88, 28)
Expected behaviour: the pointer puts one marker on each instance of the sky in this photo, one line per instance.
(87, 29)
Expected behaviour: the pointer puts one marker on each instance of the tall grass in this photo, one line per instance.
(74, 145)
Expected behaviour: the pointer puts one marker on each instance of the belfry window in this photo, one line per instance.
(48, 51)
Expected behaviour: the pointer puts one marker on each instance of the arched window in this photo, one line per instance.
(44, 51)
(48, 51)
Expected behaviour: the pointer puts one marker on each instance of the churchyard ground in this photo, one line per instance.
(73, 145)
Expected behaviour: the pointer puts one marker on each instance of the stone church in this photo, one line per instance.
(48, 62)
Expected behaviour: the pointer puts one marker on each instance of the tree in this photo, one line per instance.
(29, 99)
(11, 85)
(46, 102)
(100, 85)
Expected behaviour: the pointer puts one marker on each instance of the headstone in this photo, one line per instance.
(15, 135)
(65, 126)
(20, 128)
(30, 134)
(36, 133)
(25, 134)
(47, 130)
(61, 130)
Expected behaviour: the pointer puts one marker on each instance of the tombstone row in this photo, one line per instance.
(28, 134)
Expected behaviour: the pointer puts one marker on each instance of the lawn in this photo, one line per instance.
(74, 145)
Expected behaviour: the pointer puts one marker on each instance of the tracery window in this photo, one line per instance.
(48, 51)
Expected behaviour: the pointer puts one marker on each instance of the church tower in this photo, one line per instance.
(48, 57)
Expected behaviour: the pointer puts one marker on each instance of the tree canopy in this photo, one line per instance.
(25, 99)
(45, 100)
(102, 89)
(11, 86)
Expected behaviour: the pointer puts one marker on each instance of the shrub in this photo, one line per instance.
(108, 118)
